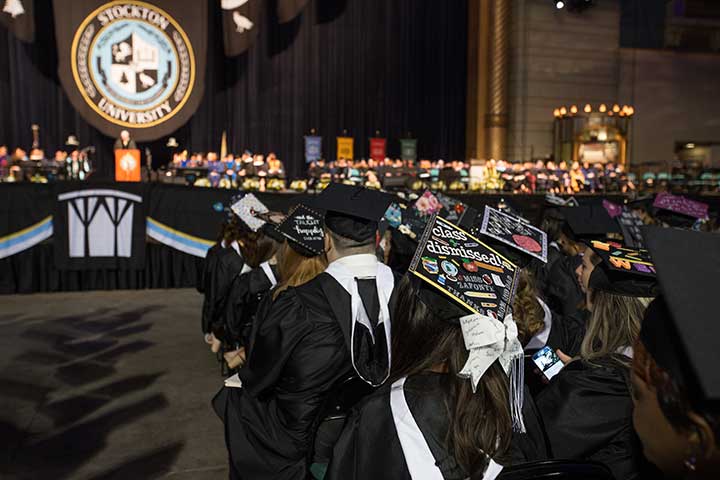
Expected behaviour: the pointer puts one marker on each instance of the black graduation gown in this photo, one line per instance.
(369, 447)
(562, 290)
(229, 265)
(207, 271)
(587, 413)
(298, 352)
(567, 332)
(246, 292)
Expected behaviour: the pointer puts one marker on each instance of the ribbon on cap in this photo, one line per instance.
(488, 340)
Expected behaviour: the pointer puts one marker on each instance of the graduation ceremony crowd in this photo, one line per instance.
(366, 336)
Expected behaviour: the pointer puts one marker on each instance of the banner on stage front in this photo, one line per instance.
(408, 148)
(313, 148)
(132, 65)
(378, 149)
(345, 147)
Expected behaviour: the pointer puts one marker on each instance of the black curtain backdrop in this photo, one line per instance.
(398, 66)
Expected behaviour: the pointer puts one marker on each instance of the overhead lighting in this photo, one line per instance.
(573, 109)
(563, 111)
(602, 108)
(689, 145)
(560, 5)
(588, 108)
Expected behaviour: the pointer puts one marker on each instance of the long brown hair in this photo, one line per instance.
(480, 422)
(614, 325)
(256, 248)
(527, 312)
(295, 269)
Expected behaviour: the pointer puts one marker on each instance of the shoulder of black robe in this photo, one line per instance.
(209, 281)
(587, 413)
(229, 265)
(369, 446)
(243, 301)
(206, 265)
(562, 290)
(567, 332)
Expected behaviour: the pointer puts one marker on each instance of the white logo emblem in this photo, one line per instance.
(100, 222)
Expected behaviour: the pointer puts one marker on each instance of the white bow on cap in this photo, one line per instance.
(488, 340)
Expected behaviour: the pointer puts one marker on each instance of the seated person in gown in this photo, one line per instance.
(586, 408)
(313, 336)
(676, 387)
(441, 415)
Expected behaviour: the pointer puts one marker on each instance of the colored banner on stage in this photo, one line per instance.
(18, 17)
(313, 148)
(132, 65)
(345, 147)
(241, 20)
(408, 148)
(378, 149)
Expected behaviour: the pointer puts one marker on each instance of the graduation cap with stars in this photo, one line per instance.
(680, 329)
(303, 227)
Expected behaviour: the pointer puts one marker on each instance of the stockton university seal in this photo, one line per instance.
(133, 64)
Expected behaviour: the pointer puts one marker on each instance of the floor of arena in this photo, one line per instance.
(107, 385)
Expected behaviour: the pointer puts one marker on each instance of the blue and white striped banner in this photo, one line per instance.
(26, 238)
(178, 240)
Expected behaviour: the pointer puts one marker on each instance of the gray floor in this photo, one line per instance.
(107, 385)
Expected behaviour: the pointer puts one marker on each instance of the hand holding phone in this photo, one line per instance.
(548, 362)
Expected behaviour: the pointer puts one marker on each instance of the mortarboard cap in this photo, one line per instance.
(589, 221)
(515, 232)
(680, 329)
(352, 211)
(304, 228)
(457, 274)
(623, 271)
(247, 209)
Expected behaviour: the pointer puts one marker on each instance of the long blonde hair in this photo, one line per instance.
(295, 269)
(614, 325)
(527, 312)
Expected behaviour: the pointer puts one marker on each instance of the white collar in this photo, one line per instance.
(360, 265)
(541, 338)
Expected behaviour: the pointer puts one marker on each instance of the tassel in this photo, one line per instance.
(517, 393)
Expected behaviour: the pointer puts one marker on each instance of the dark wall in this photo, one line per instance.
(394, 65)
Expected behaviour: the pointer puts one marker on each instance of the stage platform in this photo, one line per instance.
(108, 385)
(172, 228)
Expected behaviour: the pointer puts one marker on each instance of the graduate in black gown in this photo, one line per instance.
(676, 385)
(312, 337)
(443, 414)
(586, 408)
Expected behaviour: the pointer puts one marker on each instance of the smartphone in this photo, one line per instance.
(548, 362)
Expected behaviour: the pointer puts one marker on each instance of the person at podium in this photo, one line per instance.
(125, 142)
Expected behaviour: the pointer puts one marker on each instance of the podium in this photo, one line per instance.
(127, 165)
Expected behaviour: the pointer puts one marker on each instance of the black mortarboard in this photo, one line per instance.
(589, 221)
(681, 332)
(304, 228)
(271, 231)
(623, 271)
(515, 232)
(460, 274)
(352, 211)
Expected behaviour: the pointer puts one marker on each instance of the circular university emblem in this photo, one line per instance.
(133, 64)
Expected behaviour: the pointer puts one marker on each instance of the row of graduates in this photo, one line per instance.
(353, 367)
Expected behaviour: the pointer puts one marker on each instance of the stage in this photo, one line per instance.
(171, 226)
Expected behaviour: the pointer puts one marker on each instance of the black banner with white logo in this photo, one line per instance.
(241, 21)
(17, 16)
(97, 227)
(132, 65)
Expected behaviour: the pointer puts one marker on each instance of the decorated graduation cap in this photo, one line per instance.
(679, 211)
(680, 329)
(247, 209)
(352, 211)
(526, 240)
(589, 221)
(304, 228)
(461, 279)
(623, 271)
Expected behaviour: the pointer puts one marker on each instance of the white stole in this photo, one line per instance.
(385, 282)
